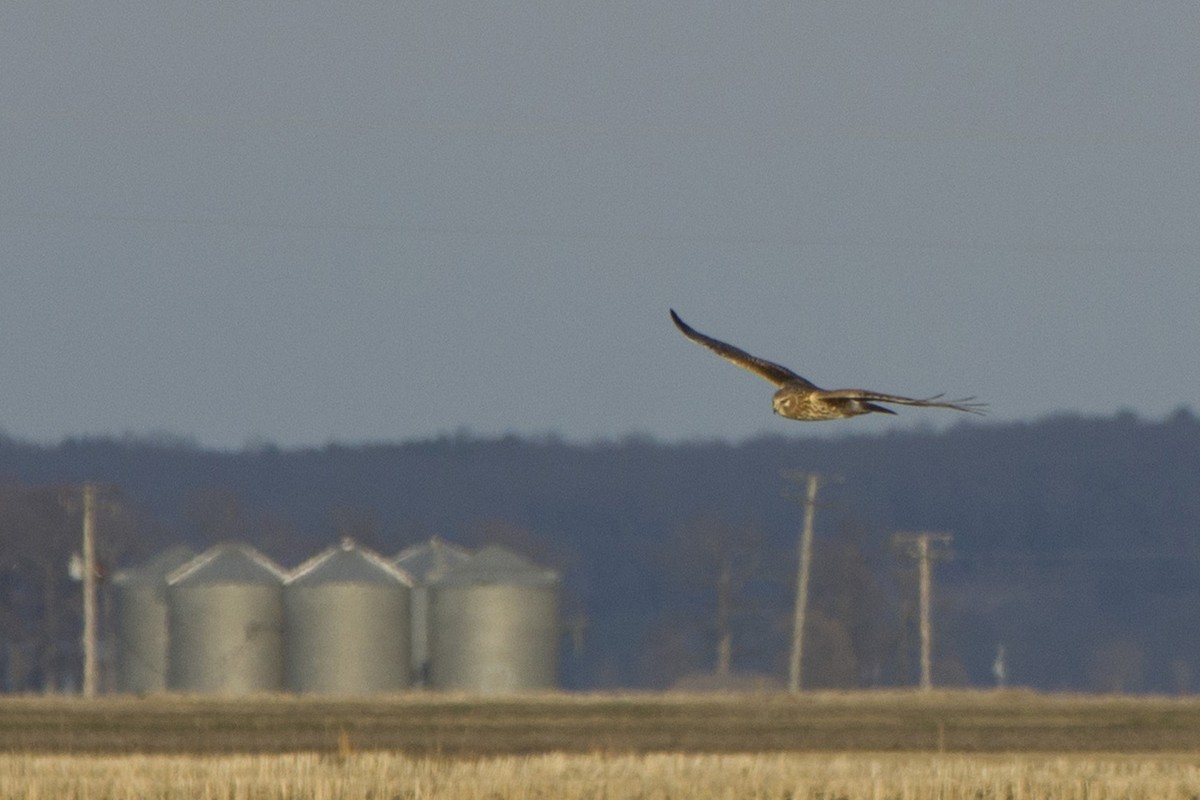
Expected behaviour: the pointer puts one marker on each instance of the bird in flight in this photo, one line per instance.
(800, 399)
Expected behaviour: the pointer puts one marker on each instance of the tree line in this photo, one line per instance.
(1076, 543)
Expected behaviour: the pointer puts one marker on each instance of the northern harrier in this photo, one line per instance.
(799, 399)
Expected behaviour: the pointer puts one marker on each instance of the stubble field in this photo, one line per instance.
(821, 745)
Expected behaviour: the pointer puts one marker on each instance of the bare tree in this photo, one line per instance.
(362, 526)
(219, 515)
(721, 558)
(216, 513)
(847, 631)
(37, 538)
(40, 606)
(1117, 665)
(837, 666)
(667, 651)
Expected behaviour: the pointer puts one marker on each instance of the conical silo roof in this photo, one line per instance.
(424, 560)
(230, 562)
(348, 563)
(494, 564)
(155, 571)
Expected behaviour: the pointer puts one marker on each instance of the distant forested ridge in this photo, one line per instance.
(1076, 542)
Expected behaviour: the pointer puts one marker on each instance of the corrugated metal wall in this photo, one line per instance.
(423, 561)
(230, 621)
(347, 622)
(225, 614)
(140, 622)
(494, 625)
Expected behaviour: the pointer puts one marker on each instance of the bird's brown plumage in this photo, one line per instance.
(799, 398)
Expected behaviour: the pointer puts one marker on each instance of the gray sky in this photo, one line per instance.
(366, 221)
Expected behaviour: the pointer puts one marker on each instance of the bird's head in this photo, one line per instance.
(783, 403)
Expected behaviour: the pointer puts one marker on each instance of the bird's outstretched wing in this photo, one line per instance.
(964, 404)
(775, 373)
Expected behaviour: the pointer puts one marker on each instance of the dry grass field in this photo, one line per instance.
(565, 776)
(853, 745)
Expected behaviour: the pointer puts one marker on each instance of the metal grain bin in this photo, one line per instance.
(493, 624)
(346, 623)
(421, 562)
(225, 613)
(140, 615)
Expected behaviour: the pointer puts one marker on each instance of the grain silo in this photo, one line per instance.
(225, 614)
(493, 624)
(140, 617)
(346, 623)
(421, 562)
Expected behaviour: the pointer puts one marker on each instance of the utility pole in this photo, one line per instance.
(1000, 668)
(724, 612)
(919, 546)
(83, 568)
(89, 590)
(812, 479)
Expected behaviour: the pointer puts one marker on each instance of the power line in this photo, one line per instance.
(1076, 557)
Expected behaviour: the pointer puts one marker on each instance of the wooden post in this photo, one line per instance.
(919, 548)
(796, 662)
(89, 590)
